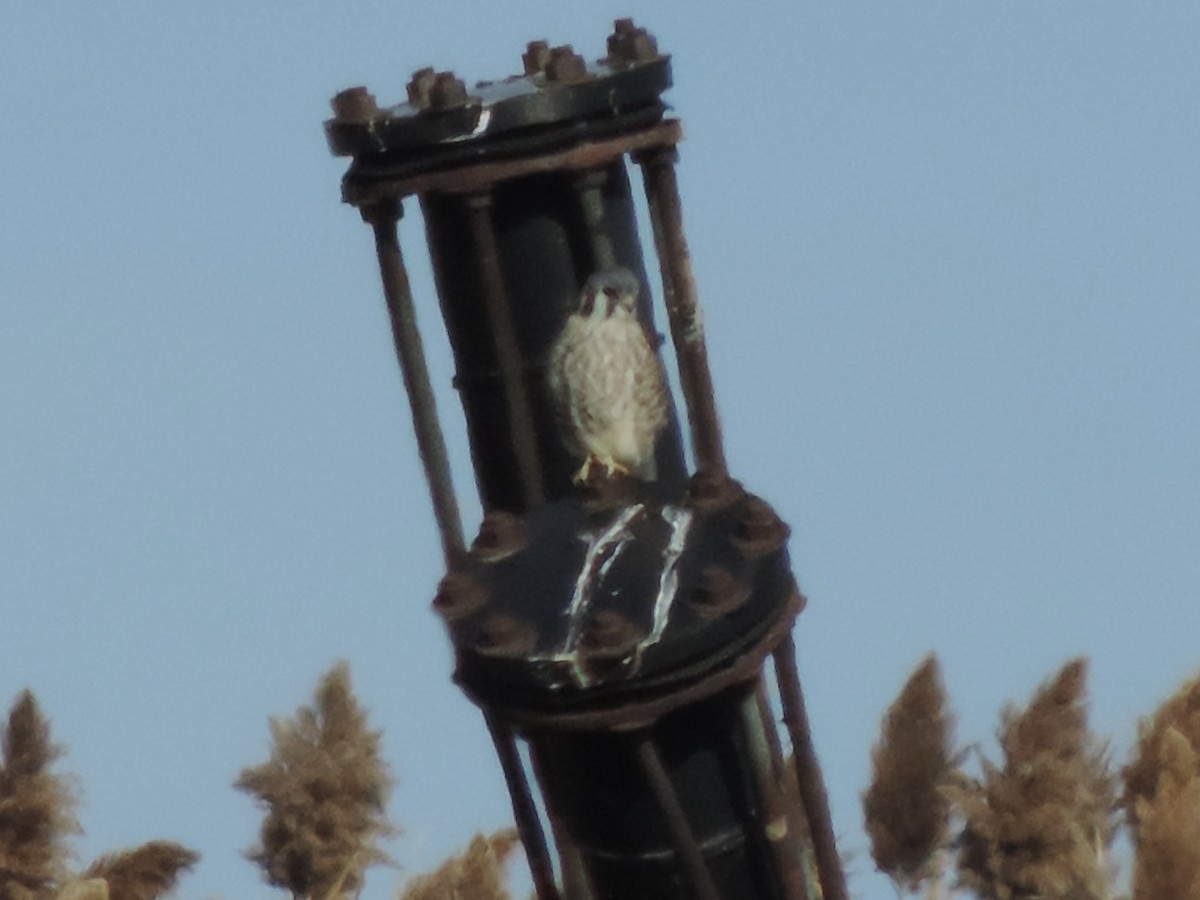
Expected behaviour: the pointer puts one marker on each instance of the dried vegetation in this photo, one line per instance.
(1038, 822)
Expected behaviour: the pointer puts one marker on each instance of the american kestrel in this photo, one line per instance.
(607, 381)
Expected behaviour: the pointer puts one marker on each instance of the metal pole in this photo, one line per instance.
(508, 353)
(808, 774)
(778, 828)
(682, 839)
(431, 446)
(683, 311)
(524, 812)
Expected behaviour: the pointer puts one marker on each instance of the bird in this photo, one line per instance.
(607, 381)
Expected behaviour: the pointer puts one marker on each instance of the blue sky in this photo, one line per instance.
(948, 258)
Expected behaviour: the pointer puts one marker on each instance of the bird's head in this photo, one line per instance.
(609, 293)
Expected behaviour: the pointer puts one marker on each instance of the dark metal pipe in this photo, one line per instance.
(679, 291)
(682, 840)
(529, 828)
(589, 185)
(508, 353)
(431, 446)
(808, 774)
(778, 827)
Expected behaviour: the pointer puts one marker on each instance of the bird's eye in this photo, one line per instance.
(611, 293)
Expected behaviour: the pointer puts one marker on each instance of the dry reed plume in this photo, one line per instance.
(325, 789)
(36, 817)
(1162, 800)
(36, 806)
(477, 874)
(1040, 825)
(906, 811)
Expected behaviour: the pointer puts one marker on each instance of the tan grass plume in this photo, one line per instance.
(325, 788)
(143, 873)
(906, 811)
(36, 806)
(1040, 825)
(477, 874)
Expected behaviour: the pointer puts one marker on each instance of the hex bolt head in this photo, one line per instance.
(419, 87)
(355, 104)
(535, 57)
(459, 595)
(506, 636)
(759, 531)
(448, 90)
(501, 535)
(629, 44)
(610, 635)
(712, 490)
(718, 593)
(565, 66)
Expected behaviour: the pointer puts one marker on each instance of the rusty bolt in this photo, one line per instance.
(419, 87)
(565, 66)
(610, 635)
(459, 595)
(504, 635)
(501, 534)
(718, 593)
(447, 90)
(630, 44)
(759, 531)
(711, 490)
(535, 57)
(355, 104)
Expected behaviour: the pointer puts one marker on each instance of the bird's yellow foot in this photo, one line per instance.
(612, 468)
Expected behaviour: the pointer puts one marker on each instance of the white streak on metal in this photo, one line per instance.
(481, 124)
(680, 520)
(606, 547)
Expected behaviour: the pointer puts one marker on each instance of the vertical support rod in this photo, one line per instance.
(592, 202)
(778, 829)
(508, 353)
(431, 446)
(524, 812)
(683, 311)
(808, 774)
(682, 840)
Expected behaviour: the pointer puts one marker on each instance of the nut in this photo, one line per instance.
(458, 596)
(565, 66)
(711, 490)
(501, 535)
(355, 104)
(759, 531)
(718, 593)
(505, 635)
(610, 635)
(535, 57)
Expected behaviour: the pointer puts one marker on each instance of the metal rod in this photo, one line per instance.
(695, 870)
(529, 828)
(683, 311)
(592, 202)
(777, 827)
(808, 774)
(508, 353)
(410, 352)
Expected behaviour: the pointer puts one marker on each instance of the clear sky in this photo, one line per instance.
(948, 258)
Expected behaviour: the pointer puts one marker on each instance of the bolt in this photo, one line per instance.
(504, 635)
(565, 66)
(448, 90)
(711, 490)
(535, 57)
(629, 44)
(718, 593)
(355, 104)
(419, 87)
(459, 595)
(501, 534)
(610, 635)
(759, 531)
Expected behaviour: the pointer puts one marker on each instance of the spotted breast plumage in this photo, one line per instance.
(607, 380)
